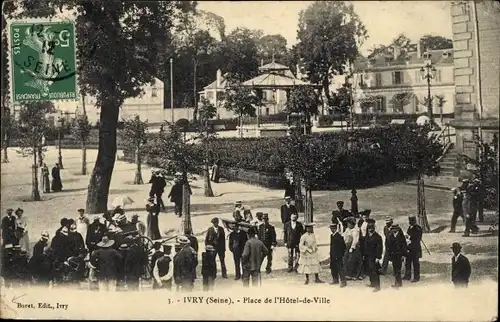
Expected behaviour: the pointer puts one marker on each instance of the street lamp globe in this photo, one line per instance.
(423, 120)
(433, 72)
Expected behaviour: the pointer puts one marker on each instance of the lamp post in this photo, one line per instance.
(354, 197)
(60, 121)
(428, 72)
(171, 90)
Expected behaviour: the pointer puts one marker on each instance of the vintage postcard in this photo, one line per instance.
(250, 160)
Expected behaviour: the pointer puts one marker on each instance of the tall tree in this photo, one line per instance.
(81, 131)
(134, 135)
(329, 35)
(304, 101)
(272, 46)
(206, 134)
(400, 100)
(241, 101)
(429, 42)
(114, 72)
(32, 127)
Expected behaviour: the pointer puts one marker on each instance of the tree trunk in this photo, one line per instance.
(138, 172)
(299, 201)
(84, 158)
(241, 125)
(98, 191)
(422, 213)
(308, 213)
(208, 186)
(5, 156)
(186, 206)
(35, 193)
(40, 155)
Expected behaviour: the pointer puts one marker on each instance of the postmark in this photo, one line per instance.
(43, 60)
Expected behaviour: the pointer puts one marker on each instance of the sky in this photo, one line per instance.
(384, 19)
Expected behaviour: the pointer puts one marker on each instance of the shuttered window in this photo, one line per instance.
(378, 79)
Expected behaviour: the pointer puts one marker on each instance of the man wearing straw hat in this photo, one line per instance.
(208, 268)
(106, 260)
(185, 263)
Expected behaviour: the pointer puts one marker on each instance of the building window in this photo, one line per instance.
(438, 76)
(264, 95)
(380, 105)
(210, 95)
(267, 110)
(378, 79)
(397, 78)
(154, 91)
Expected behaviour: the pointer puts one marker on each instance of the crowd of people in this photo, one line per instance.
(467, 203)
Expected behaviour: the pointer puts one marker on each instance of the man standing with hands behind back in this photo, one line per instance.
(267, 234)
(414, 235)
(293, 231)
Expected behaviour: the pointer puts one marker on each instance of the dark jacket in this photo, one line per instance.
(286, 212)
(337, 248)
(208, 264)
(216, 238)
(62, 246)
(163, 265)
(267, 234)
(193, 242)
(39, 247)
(185, 263)
(292, 236)
(175, 194)
(457, 204)
(253, 254)
(77, 243)
(373, 246)
(9, 230)
(396, 246)
(133, 262)
(107, 261)
(341, 214)
(95, 232)
(460, 270)
(155, 257)
(415, 233)
(237, 242)
(157, 184)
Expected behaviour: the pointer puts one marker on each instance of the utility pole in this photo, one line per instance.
(172, 90)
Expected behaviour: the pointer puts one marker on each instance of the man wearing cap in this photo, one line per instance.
(373, 253)
(457, 208)
(395, 251)
(163, 269)
(106, 260)
(267, 234)
(293, 231)
(337, 251)
(252, 257)
(217, 238)
(76, 239)
(387, 229)
(287, 210)
(208, 268)
(460, 267)
(82, 223)
(9, 228)
(414, 235)
(237, 240)
(185, 263)
(238, 212)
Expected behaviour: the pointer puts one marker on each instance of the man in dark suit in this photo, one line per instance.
(387, 230)
(458, 198)
(252, 257)
(9, 228)
(237, 240)
(267, 234)
(293, 231)
(208, 268)
(287, 210)
(192, 239)
(414, 235)
(185, 262)
(157, 187)
(217, 238)
(460, 267)
(337, 251)
(340, 213)
(396, 250)
(373, 252)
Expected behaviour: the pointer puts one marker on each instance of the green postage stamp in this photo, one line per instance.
(42, 61)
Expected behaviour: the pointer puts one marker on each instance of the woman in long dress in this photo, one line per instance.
(45, 179)
(352, 256)
(56, 178)
(152, 227)
(309, 259)
(24, 240)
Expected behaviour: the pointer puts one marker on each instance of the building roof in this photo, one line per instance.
(223, 83)
(273, 80)
(438, 57)
(273, 66)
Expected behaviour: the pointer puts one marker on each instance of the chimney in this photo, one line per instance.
(218, 78)
(396, 51)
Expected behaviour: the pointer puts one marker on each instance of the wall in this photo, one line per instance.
(468, 104)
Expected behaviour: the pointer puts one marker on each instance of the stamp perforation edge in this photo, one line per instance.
(72, 20)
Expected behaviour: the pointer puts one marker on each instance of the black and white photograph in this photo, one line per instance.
(250, 160)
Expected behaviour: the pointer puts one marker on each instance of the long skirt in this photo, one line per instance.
(152, 229)
(24, 242)
(46, 183)
(352, 262)
(309, 263)
(56, 184)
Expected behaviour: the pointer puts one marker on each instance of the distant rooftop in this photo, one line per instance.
(437, 57)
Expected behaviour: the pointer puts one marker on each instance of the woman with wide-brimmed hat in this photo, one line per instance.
(309, 262)
(106, 261)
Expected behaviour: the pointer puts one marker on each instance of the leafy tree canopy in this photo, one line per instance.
(303, 99)
(242, 101)
(270, 46)
(430, 42)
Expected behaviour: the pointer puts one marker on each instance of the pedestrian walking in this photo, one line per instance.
(337, 251)
(414, 236)
(237, 241)
(287, 210)
(175, 196)
(293, 232)
(217, 238)
(106, 261)
(252, 257)
(56, 178)
(460, 267)
(267, 234)
(158, 185)
(45, 178)
(163, 270)
(458, 198)
(396, 249)
(373, 250)
(152, 225)
(185, 263)
(309, 260)
(208, 268)
(215, 177)
(9, 228)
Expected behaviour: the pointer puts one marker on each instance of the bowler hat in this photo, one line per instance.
(340, 202)
(456, 246)
(10, 210)
(214, 220)
(105, 242)
(388, 219)
(334, 225)
(394, 226)
(412, 217)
